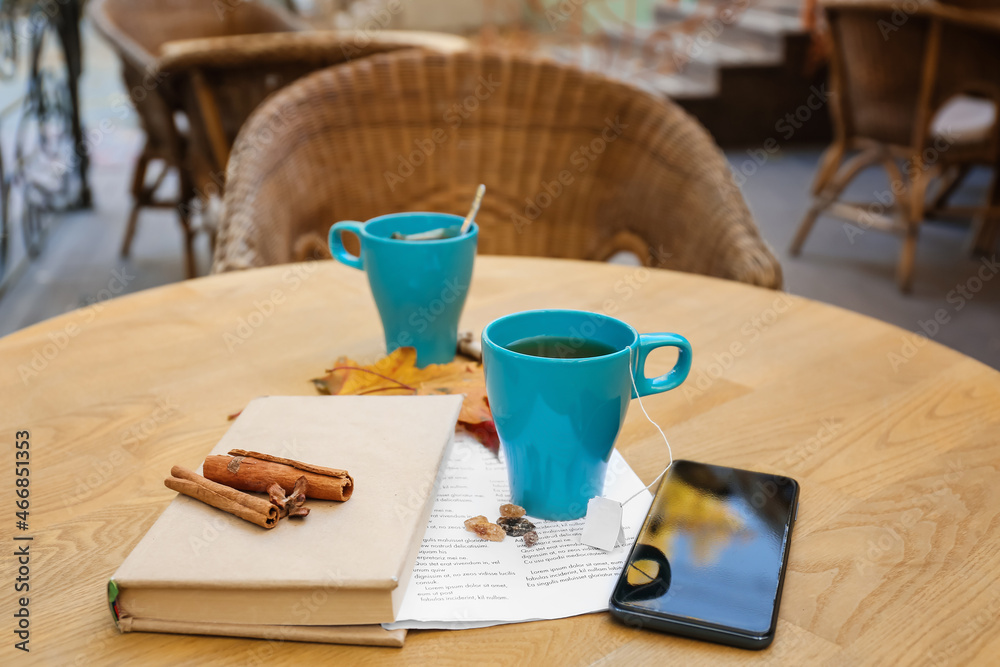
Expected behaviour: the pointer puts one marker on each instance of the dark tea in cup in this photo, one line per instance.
(560, 347)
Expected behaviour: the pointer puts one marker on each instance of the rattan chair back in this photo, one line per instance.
(576, 165)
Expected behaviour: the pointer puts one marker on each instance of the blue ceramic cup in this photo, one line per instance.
(419, 286)
(558, 418)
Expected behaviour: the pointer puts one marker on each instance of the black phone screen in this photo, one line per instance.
(711, 552)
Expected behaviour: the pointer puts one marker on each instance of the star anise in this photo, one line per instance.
(292, 504)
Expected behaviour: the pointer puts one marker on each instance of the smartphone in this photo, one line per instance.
(709, 562)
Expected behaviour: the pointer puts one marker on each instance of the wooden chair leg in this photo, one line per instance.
(133, 221)
(907, 257)
(834, 187)
(828, 164)
(915, 215)
(139, 174)
(806, 226)
(140, 198)
(190, 266)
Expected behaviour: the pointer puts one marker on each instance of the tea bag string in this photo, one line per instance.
(670, 452)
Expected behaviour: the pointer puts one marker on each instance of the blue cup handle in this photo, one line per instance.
(337, 248)
(648, 343)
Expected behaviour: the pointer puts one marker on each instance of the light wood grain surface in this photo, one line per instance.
(894, 439)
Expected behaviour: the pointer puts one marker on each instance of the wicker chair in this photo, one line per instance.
(576, 165)
(221, 80)
(138, 30)
(895, 85)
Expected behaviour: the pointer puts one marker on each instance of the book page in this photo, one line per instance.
(462, 581)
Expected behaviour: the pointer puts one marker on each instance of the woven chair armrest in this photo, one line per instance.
(296, 47)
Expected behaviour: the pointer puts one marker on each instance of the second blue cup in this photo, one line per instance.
(558, 412)
(419, 286)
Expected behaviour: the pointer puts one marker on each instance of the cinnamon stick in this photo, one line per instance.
(253, 471)
(251, 508)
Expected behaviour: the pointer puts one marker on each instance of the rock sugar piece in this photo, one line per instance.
(469, 523)
(515, 527)
(484, 529)
(511, 510)
(530, 538)
(489, 531)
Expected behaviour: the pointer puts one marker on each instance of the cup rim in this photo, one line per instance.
(554, 360)
(472, 233)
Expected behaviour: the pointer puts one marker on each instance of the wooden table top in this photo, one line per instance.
(895, 441)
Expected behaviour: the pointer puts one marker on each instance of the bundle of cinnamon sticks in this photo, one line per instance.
(284, 480)
(253, 471)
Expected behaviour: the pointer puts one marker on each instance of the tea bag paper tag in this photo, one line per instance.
(603, 526)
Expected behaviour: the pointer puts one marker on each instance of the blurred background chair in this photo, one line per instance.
(575, 165)
(916, 94)
(221, 80)
(968, 63)
(211, 66)
(137, 30)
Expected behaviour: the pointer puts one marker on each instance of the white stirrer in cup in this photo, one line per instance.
(447, 232)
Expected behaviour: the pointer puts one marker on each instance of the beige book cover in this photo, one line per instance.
(346, 564)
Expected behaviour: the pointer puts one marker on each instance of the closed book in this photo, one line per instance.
(345, 564)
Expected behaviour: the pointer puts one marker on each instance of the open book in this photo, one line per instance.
(461, 581)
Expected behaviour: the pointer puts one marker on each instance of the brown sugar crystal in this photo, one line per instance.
(530, 538)
(469, 523)
(512, 511)
(489, 531)
(481, 526)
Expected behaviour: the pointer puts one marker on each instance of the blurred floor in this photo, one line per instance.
(81, 265)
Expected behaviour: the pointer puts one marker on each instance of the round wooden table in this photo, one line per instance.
(894, 439)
